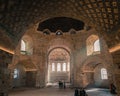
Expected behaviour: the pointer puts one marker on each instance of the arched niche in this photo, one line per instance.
(65, 45)
(91, 72)
(18, 75)
(24, 74)
(93, 45)
(26, 43)
(58, 65)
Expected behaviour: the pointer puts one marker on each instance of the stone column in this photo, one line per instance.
(5, 59)
(40, 81)
(40, 77)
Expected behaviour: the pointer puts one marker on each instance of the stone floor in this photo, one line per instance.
(57, 92)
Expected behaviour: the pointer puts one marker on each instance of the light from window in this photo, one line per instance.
(68, 66)
(64, 66)
(104, 73)
(15, 73)
(58, 67)
(23, 45)
(97, 45)
(53, 66)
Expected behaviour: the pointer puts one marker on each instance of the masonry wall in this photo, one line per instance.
(5, 60)
(116, 79)
(75, 44)
(81, 58)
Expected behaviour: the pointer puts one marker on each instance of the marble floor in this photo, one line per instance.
(57, 92)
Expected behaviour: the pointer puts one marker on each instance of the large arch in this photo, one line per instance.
(25, 70)
(65, 46)
(6, 40)
(58, 56)
(91, 72)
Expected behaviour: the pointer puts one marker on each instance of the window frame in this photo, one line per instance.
(15, 74)
(104, 74)
(23, 47)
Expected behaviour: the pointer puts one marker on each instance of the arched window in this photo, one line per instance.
(97, 45)
(93, 45)
(64, 66)
(104, 73)
(53, 66)
(15, 73)
(23, 45)
(58, 67)
(68, 66)
(26, 45)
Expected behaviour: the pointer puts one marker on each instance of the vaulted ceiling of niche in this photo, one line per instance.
(59, 54)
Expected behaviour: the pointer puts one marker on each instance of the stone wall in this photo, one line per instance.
(77, 47)
(5, 59)
(59, 76)
(82, 60)
(30, 78)
(116, 80)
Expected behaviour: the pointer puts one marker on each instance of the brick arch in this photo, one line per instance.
(57, 48)
(57, 56)
(90, 43)
(61, 43)
(91, 72)
(95, 60)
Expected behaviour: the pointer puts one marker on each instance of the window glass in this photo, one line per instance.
(58, 67)
(64, 66)
(97, 45)
(53, 66)
(68, 66)
(23, 45)
(104, 73)
(15, 73)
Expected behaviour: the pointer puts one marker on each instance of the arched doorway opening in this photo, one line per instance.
(23, 74)
(58, 66)
(95, 73)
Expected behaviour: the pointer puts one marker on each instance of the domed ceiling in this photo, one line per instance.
(61, 23)
(18, 15)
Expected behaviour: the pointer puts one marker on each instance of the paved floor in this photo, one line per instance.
(57, 92)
